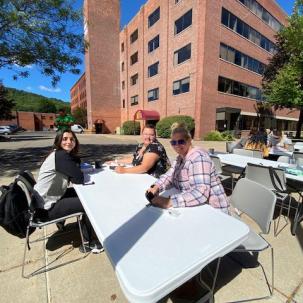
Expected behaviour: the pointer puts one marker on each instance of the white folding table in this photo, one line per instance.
(153, 251)
(241, 161)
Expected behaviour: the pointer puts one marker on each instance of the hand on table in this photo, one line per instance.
(120, 170)
(162, 202)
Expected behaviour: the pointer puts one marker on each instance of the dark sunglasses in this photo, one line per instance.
(177, 142)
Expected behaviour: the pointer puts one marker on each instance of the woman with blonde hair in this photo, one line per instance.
(193, 174)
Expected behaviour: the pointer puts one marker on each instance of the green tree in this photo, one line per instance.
(45, 33)
(6, 104)
(283, 78)
(80, 115)
(47, 106)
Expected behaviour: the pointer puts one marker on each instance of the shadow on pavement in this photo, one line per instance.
(12, 161)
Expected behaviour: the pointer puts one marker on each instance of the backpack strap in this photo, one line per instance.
(274, 179)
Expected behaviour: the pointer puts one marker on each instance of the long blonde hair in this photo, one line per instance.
(180, 128)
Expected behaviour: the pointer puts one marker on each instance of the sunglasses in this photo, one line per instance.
(177, 142)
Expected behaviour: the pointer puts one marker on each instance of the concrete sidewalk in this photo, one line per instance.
(92, 278)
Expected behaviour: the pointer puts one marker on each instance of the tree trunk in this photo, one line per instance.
(299, 124)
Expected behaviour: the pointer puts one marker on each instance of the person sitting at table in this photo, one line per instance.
(257, 140)
(193, 174)
(277, 142)
(150, 156)
(60, 168)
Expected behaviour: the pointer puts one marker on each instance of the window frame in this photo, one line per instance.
(156, 95)
(154, 17)
(181, 90)
(150, 67)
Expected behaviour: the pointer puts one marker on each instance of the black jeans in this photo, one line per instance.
(70, 204)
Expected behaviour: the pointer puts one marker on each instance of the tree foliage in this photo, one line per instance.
(47, 106)
(45, 33)
(80, 115)
(25, 101)
(283, 77)
(6, 104)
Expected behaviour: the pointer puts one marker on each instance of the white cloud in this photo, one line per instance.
(50, 89)
(29, 88)
(25, 66)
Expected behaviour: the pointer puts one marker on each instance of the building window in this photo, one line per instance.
(134, 36)
(234, 56)
(237, 25)
(123, 103)
(153, 69)
(134, 79)
(123, 84)
(122, 47)
(181, 86)
(182, 54)
(177, 1)
(134, 58)
(154, 17)
(262, 13)
(153, 44)
(183, 22)
(122, 66)
(43, 117)
(153, 94)
(134, 100)
(239, 89)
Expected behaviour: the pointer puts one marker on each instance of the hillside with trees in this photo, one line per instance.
(25, 101)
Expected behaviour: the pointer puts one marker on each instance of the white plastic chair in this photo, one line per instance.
(258, 203)
(273, 179)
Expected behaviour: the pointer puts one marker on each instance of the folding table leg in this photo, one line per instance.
(209, 297)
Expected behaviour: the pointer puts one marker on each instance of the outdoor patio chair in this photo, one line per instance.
(243, 152)
(258, 203)
(224, 171)
(283, 159)
(298, 157)
(273, 179)
(26, 184)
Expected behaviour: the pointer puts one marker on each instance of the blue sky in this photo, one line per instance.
(40, 84)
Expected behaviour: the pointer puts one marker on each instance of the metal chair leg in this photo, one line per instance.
(81, 233)
(24, 254)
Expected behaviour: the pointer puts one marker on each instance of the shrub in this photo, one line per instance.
(164, 125)
(131, 128)
(227, 135)
(213, 136)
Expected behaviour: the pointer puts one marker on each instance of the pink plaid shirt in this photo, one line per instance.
(196, 178)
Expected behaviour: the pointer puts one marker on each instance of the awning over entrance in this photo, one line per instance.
(146, 115)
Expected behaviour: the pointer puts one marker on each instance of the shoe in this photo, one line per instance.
(94, 247)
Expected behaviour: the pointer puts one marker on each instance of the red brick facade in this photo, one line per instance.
(204, 66)
(210, 108)
(32, 121)
(102, 26)
(78, 94)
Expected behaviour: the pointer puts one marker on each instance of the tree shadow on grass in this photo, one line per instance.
(12, 161)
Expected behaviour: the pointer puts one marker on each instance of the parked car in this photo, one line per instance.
(5, 130)
(76, 128)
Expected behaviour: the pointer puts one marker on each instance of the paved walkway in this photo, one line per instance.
(92, 279)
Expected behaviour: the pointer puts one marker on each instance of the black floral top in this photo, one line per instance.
(161, 166)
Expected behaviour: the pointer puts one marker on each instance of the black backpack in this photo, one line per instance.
(15, 211)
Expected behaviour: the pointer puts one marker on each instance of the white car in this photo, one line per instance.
(76, 128)
(5, 130)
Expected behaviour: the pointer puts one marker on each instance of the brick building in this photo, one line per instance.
(201, 58)
(98, 89)
(78, 93)
(31, 120)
